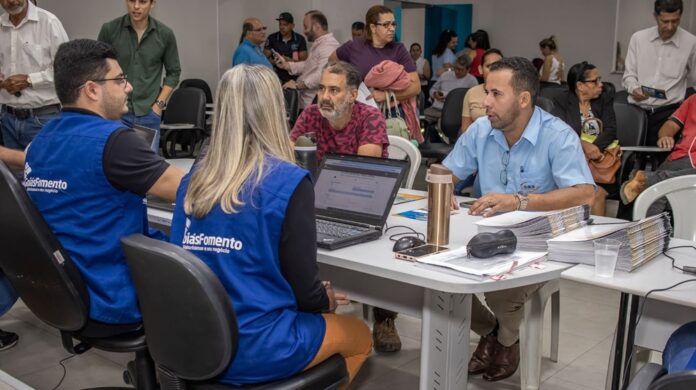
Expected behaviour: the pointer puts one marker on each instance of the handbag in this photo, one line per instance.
(396, 125)
(604, 169)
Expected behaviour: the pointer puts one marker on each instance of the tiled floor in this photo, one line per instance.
(588, 317)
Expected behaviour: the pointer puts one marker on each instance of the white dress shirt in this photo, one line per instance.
(310, 69)
(29, 49)
(667, 65)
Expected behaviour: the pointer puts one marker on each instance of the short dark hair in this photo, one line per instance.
(415, 44)
(577, 73)
(318, 17)
(357, 26)
(353, 79)
(668, 6)
(77, 62)
(524, 76)
(490, 52)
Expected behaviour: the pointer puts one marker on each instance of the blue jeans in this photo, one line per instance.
(8, 296)
(18, 133)
(150, 120)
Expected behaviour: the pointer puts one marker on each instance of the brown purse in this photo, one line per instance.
(604, 169)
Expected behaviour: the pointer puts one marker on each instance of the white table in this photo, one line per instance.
(663, 313)
(369, 273)
(9, 382)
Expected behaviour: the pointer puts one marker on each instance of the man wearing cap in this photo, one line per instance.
(31, 37)
(287, 43)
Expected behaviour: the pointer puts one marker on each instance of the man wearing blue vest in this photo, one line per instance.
(87, 175)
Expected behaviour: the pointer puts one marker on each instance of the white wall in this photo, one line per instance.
(413, 26)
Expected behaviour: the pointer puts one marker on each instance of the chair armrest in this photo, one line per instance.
(646, 376)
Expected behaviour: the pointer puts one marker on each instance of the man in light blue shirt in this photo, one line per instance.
(526, 159)
(249, 49)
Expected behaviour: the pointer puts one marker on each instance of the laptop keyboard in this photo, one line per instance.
(337, 229)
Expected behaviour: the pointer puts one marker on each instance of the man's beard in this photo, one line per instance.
(333, 111)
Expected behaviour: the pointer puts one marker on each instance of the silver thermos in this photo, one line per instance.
(439, 180)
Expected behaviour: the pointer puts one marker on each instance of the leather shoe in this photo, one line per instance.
(631, 189)
(505, 362)
(483, 356)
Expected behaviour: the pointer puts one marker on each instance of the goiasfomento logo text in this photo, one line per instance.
(206, 243)
(37, 184)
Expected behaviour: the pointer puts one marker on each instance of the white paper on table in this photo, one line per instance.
(457, 260)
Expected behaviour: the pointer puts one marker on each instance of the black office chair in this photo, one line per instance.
(552, 92)
(545, 104)
(200, 84)
(450, 122)
(191, 325)
(654, 377)
(621, 96)
(292, 104)
(48, 282)
(185, 106)
(631, 130)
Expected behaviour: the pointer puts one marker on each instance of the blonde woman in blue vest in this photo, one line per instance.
(247, 211)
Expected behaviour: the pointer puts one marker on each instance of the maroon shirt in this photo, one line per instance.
(363, 56)
(366, 126)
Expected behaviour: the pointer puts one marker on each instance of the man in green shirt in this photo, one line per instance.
(144, 46)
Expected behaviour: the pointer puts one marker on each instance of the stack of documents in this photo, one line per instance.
(641, 241)
(457, 260)
(534, 228)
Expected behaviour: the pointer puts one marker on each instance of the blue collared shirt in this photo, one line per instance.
(248, 53)
(547, 157)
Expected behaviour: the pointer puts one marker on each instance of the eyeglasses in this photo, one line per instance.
(503, 173)
(596, 81)
(264, 28)
(121, 80)
(387, 24)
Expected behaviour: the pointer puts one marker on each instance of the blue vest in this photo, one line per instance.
(64, 176)
(275, 339)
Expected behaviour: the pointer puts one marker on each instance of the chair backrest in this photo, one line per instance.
(451, 118)
(555, 92)
(545, 103)
(685, 380)
(680, 192)
(292, 104)
(401, 148)
(621, 96)
(190, 325)
(35, 263)
(631, 124)
(201, 84)
(186, 105)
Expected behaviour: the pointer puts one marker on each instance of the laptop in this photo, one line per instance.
(147, 133)
(353, 198)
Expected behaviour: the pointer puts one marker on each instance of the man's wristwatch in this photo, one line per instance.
(523, 201)
(161, 104)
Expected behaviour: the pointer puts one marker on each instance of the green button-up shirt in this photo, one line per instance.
(143, 61)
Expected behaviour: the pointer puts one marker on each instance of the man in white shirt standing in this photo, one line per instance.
(316, 29)
(30, 39)
(661, 57)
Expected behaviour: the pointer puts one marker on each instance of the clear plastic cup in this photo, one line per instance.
(606, 251)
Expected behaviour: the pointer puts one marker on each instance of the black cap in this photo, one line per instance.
(286, 16)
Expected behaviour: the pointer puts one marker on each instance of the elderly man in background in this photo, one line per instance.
(316, 28)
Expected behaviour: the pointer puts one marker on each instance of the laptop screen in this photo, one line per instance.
(356, 188)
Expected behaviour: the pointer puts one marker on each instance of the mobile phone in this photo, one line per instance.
(467, 203)
(412, 254)
(276, 55)
(653, 92)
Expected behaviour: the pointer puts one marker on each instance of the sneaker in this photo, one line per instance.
(7, 340)
(385, 337)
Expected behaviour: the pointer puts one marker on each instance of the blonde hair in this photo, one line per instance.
(248, 126)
